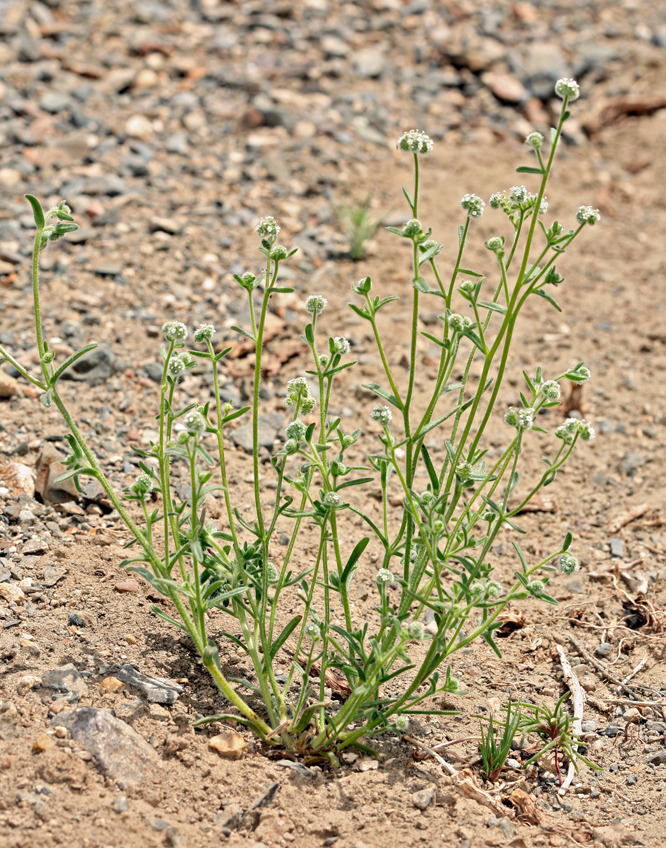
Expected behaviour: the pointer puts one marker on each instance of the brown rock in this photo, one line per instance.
(111, 685)
(43, 743)
(17, 477)
(505, 87)
(228, 744)
(12, 593)
(8, 385)
(49, 468)
(124, 586)
(60, 766)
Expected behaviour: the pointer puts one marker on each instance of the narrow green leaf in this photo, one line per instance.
(353, 560)
(71, 360)
(549, 298)
(383, 393)
(526, 169)
(286, 633)
(359, 482)
(244, 333)
(37, 211)
(494, 307)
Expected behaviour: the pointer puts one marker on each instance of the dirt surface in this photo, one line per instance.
(176, 127)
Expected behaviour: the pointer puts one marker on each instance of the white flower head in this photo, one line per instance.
(519, 193)
(312, 631)
(194, 423)
(415, 630)
(521, 419)
(267, 228)
(550, 389)
(331, 499)
(568, 564)
(497, 200)
(535, 140)
(587, 215)
(176, 366)
(341, 344)
(175, 331)
(567, 88)
(382, 414)
(415, 141)
(296, 430)
(204, 333)
(402, 722)
(384, 576)
(473, 205)
(315, 304)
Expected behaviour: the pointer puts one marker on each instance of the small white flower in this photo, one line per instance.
(415, 630)
(331, 499)
(459, 323)
(498, 200)
(204, 333)
(194, 423)
(342, 346)
(587, 215)
(519, 193)
(551, 390)
(535, 140)
(521, 419)
(175, 331)
(312, 631)
(567, 88)
(412, 228)
(568, 564)
(315, 304)
(473, 205)
(402, 723)
(267, 228)
(176, 366)
(296, 430)
(382, 414)
(384, 576)
(415, 141)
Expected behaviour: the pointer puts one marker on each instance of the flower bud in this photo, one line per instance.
(568, 564)
(412, 228)
(278, 253)
(194, 423)
(312, 631)
(473, 205)
(175, 331)
(567, 89)
(382, 414)
(204, 333)
(315, 304)
(384, 576)
(535, 140)
(331, 499)
(415, 141)
(296, 430)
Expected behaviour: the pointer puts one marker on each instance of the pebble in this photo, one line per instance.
(603, 650)
(8, 385)
(228, 744)
(118, 751)
(54, 102)
(65, 680)
(157, 690)
(423, 798)
(138, 126)
(616, 546)
(127, 586)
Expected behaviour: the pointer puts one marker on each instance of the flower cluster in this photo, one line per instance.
(194, 423)
(331, 499)
(384, 576)
(550, 390)
(521, 419)
(473, 205)
(267, 228)
(296, 430)
(382, 414)
(341, 345)
(204, 333)
(519, 200)
(568, 564)
(571, 428)
(567, 88)
(459, 323)
(298, 392)
(415, 141)
(587, 215)
(176, 367)
(315, 304)
(535, 140)
(175, 331)
(412, 228)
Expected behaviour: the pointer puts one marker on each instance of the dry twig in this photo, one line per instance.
(578, 700)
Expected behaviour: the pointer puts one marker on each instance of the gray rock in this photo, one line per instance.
(424, 798)
(95, 367)
(136, 165)
(132, 710)
(36, 546)
(539, 66)
(177, 143)
(603, 650)
(369, 62)
(154, 371)
(631, 462)
(120, 804)
(118, 751)
(658, 759)
(268, 425)
(616, 546)
(158, 690)
(108, 269)
(592, 56)
(54, 102)
(157, 823)
(65, 680)
(108, 184)
(5, 574)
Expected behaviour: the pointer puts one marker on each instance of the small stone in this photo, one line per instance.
(131, 710)
(77, 620)
(616, 546)
(10, 177)
(228, 744)
(108, 269)
(334, 47)
(12, 593)
(658, 759)
(423, 799)
(166, 225)
(367, 764)
(158, 690)
(49, 467)
(65, 679)
(120, 804)
(157, 823)
(369, 62)
(8, 385)
(146, 78)
(124, 586)
(118, 751)
(54, 102)
(43, 743)
(505, 87)
(111, 685)
(138, 126)
(52, 575)
(27, 683)
(36, 546)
